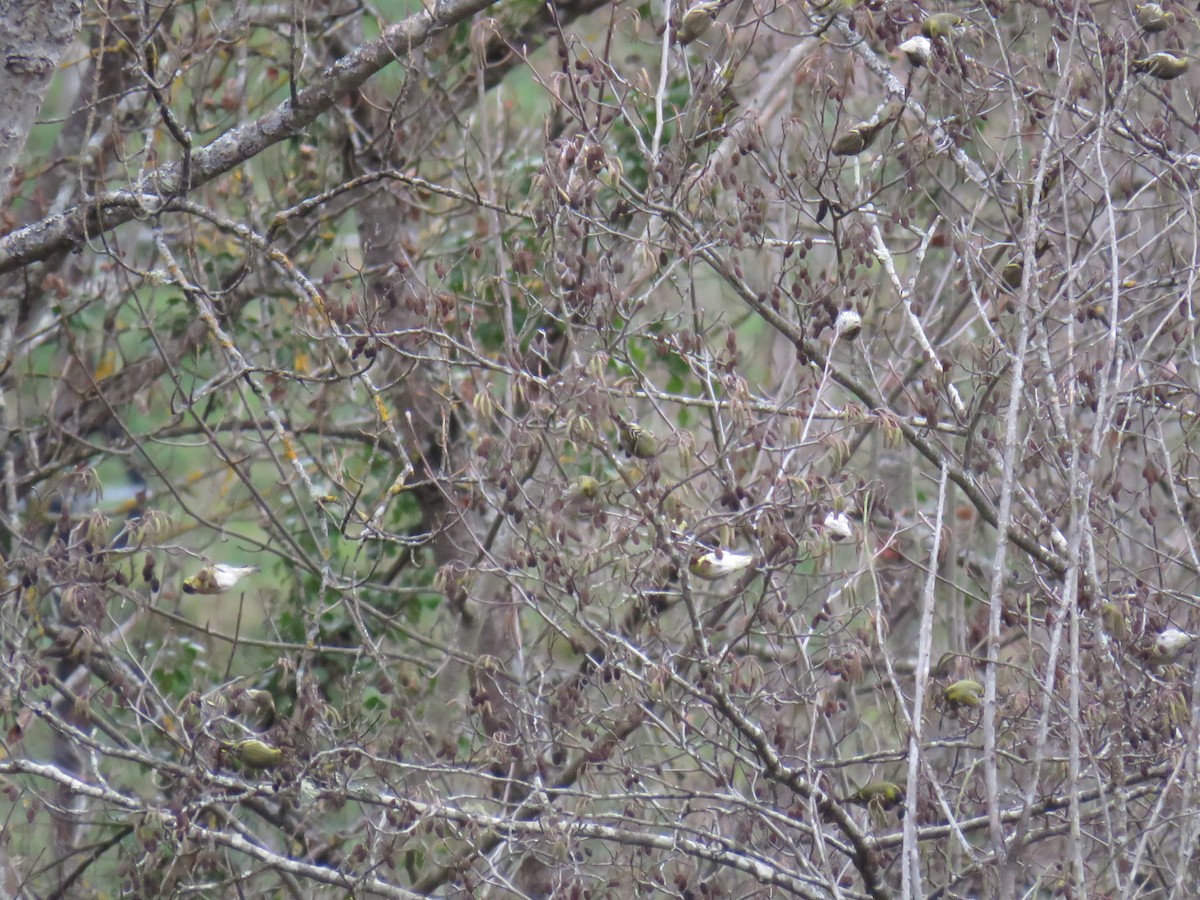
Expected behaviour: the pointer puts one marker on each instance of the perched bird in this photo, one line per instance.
(216, 579)
(584, 498)
(697, 20)
(1011, 274)
(858, 138)
(714, 112)
(1170, 645)
(716, 564)
(835, 7)
(1024, 195)
(587, 487)
(837, 526)
(256, 754)
(1153, 17)
(918, 49)
(1114, 620)
(1013, 271)
(942, 25)
(879, 794)
(1162, 65)
(636, 441)
(847, 325)
(964, 693)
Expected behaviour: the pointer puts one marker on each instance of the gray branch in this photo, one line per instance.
(70, 228)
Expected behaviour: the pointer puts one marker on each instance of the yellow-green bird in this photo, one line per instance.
(835, 7)
(858, 138)
(1025, 192)
(1012, 273)
(584, 498)
(636, 441)
(879, 794)
(964, 693)
(256, 754)
(216, 579)
(1162, 65)
(1114, 620)
(586, 487)
(942, 25)
(1153, 17)
(697, 20)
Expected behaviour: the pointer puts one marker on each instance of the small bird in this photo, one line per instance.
(713, 115)
(918, 49)
(847, 325)
(1113, 618)
(942, 25)
(1162, 65)
(964, 693)
(1013, 271)
(216, 579)
(1170, 645)
(858, 138)
(1011, 274)
(718, 563)
(878, 794)
(636, 441)
(256, 754)
(697, 20)
(1024, 194)
(1154, 18)
(837, 527)
(584, 498)
(834, 7)
(586, 487)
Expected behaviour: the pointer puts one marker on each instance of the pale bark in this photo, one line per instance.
(34, 36)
